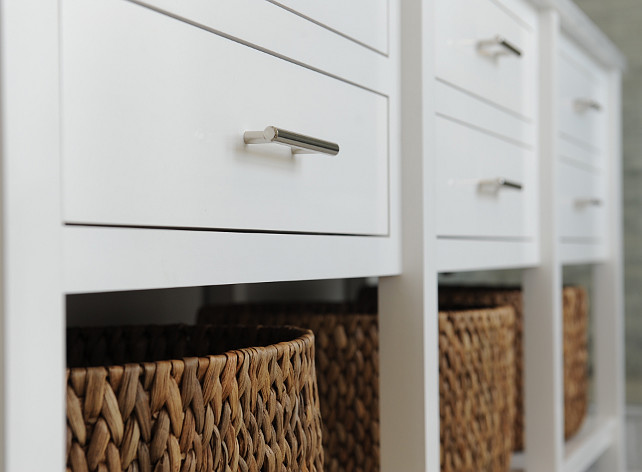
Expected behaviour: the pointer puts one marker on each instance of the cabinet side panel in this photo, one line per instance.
(32, 312)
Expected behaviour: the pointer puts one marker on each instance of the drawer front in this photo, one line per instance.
(583, 99)
(371, 29)
(582, 197)
(303, 31)
(154, 114)
(580, 153)
(464, 206)
(467, 57)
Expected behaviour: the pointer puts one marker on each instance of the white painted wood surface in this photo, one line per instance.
(464, 254)
(161, 143)
(595, 438)
(268, 27)
(36, 272)
(31, 299)
(371, 29)
(108, 259)
(582, 79)
(409, 368)
(583, 203)
(485, 129)
(506, 80)
(542, 286)
(600, 443)
(608, 301)
(583, 252)
(459, 105)
(581, 154)
(467, 202)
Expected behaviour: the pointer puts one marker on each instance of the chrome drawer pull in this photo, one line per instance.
(583, 104)
(299, 143)
(584, 202)
(500, 182)
(488, 47)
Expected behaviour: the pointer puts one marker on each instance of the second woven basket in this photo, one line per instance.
(575, 320)
(476, 389)
(347, 366)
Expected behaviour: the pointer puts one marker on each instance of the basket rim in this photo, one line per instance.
(304, 339)
(307, 308)
(482, 310)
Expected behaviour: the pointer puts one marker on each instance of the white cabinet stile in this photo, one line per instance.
(32, 379)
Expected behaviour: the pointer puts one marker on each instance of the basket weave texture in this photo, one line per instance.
(348, 371)
(476, 389)
(180, 398)
(575, 320)
(575, 359)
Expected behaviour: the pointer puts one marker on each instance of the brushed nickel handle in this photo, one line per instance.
(583, 104)
(299, 143)
(498, 183)
(584, 202)
(497, 46)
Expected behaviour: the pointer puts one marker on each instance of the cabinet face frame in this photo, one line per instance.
(33, 258)
(37, 256)
(601, 441)
(32, 409)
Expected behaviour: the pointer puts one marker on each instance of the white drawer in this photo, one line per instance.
(467, 157)
(328, 36)
(582, 200)
(583, 98)
(465, 57)
(154, 113)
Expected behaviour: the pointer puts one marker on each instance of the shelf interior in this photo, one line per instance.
(583, 449)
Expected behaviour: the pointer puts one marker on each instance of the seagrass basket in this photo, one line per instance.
(347, 365)
(575, 346)
(476, 389)
(179, 398)
(575, 320)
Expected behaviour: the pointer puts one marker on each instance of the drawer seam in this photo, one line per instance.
(580, 143)
(253, 46)
(333, 30)
(485, 100)
(224, 230)
(508, 239)
(493, 134)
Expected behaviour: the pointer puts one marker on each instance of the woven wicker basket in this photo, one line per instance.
(575, 348)
(575, 359)
(232, 399)
(347, 372)
(476, 389)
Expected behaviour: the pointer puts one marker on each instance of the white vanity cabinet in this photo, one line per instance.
(126, 165)
(471, 135)
(583, 154)
(165, 180)
(525, 95)
(486, 102)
